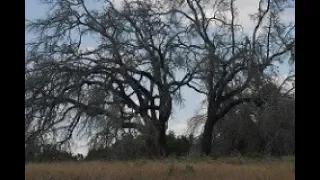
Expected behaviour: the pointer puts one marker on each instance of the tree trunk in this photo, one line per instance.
(164, 115)
(208, 129)
(207, 137)
(162, 143)
(211, 112)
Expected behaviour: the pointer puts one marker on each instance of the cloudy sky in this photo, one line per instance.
(178, 123)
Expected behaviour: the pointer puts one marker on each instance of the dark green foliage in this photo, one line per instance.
(178, 146)
(129, 148)
(48, 153)
(96, 154)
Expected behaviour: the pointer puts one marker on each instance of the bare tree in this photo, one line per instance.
(132, 71)
(237, 63)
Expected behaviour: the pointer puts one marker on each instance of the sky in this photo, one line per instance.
(178, 123)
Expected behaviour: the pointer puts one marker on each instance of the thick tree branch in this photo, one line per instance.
(231, 105)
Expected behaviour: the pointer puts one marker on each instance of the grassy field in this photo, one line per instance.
(220, 169)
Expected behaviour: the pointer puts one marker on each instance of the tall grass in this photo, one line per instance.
(186, 169)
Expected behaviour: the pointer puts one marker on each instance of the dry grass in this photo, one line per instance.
(221, 169)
